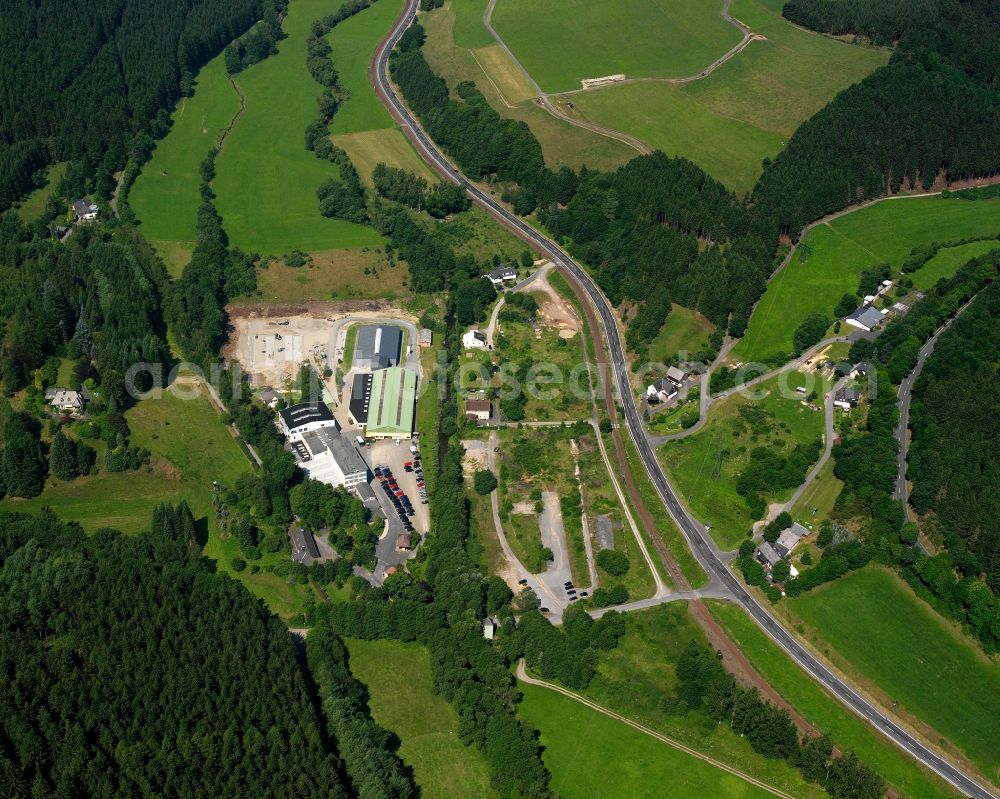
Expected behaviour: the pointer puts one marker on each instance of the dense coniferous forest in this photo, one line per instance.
(933, 111)
(96, 296)
(953, 461)
(132, 670)
(94, 83)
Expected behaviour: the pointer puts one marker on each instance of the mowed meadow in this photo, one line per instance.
(830, 258)
(745, 110)
(459, 48)
(266, 180)
(560, 42)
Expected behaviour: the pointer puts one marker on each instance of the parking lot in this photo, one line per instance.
(400, 480)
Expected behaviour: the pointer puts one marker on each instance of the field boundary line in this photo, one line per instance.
(522, 674)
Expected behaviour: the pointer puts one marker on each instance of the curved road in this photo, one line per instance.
(694, 532)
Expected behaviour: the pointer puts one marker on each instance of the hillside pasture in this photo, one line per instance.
(165, 195)
(403, 700)
(454, 33)
(353, 41)
(831, 257)
(266, 180)
(745, 110)
(33, 205)
(872, 624)
(563, 41)
(684, 332)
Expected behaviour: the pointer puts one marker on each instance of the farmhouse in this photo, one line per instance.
(270, 397)
(478, 410)
(304, 549)
(329, 458)
(768, 555)
(676, 375)
(663, 390)
(789, 539)
(303, 418)
(846, 398)
(860, 369)
(377, 347)
(361, 395)
(501, 274)
(63, 400)
(84, 211)
(866, 318)
(390, 412)
(474, 339)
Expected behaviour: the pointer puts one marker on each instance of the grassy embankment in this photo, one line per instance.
(824, 712)
(831, 257)
(402, 699)
(745, 110)
(705, 466)
(872, 626)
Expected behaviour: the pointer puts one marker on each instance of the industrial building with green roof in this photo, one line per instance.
(393, 400)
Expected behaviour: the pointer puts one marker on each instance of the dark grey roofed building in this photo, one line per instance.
(502, 273)
(361, 396)
(365, 494)
(867, 317)
(846, 397)
(303, 545)
(377, 347)
(298, 419)
(768, 555)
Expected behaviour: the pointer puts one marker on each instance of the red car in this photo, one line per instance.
(400, 493)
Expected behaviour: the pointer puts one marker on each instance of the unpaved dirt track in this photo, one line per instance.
(695, 534)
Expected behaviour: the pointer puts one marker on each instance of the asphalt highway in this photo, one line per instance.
(694, 532)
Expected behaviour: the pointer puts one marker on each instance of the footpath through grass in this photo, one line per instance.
(592, 756)
(266, 180)
(638, 680)
(744, 111)
(831, 257)
(872, 623)
(402, 699)
(563, 41)
(822, 711)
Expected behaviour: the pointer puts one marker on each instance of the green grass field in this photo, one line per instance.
(266, 180)
(389, 146)
(402, 699)
(746, 109)
(705, 466)
(34, 204)
(818, 499)
(592, 756)
(353, 42)
(684, 331)
(949, 260)
(824, 712)
(637, 676)
(562, 41)
(165, 196)
(831, 257)
(460, 48)
(872, 622)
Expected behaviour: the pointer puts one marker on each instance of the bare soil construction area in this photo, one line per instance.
(271, 341)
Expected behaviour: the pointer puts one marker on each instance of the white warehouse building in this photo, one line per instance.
(331, 459)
